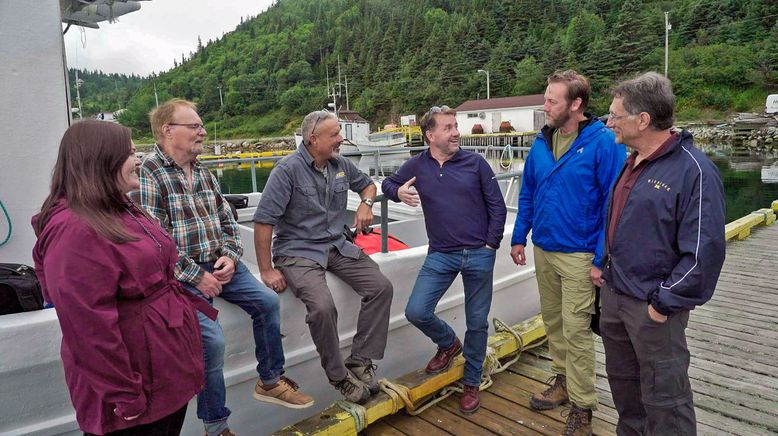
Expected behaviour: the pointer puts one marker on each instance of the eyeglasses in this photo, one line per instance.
(193, 126)
(614, 117)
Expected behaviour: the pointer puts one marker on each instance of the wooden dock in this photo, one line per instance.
(733, 340)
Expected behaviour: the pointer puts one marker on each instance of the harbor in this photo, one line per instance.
(258, 81)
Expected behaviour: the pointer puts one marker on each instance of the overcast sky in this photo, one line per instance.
(148, 40)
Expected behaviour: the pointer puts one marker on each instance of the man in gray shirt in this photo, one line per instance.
(305, 200)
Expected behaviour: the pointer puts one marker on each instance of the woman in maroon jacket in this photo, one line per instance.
(130, 337)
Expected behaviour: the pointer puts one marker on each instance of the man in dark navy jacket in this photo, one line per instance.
(664, 251)
(465, 217)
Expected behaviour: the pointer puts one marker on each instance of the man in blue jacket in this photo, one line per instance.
(664, 251)
(567, 176)
(464, 214)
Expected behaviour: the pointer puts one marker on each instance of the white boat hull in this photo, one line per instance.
(32, 370)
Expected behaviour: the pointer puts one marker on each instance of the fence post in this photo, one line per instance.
(253, 176)
(384, 224)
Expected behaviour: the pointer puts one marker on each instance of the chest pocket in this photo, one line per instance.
(339, 194)
(178, 206)
(305, 198)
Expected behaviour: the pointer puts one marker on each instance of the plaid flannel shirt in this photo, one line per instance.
(199, 219)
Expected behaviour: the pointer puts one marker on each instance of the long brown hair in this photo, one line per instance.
(91, 154)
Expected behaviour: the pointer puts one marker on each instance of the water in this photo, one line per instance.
(742, 173)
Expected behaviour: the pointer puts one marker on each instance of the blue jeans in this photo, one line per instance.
(436, 275)
(262, 304)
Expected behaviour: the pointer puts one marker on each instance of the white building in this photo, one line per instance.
(522, 113)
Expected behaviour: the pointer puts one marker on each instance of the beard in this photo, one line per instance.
(561, 120)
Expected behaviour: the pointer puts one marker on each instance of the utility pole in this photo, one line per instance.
(156, 98)
(667, 32)
(346, 79)
(221, 100)
(78, 95)
(488, 93)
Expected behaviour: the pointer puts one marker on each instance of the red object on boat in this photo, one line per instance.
(371, 242)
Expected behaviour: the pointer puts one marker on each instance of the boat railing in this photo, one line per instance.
(501, 154)
(513, 177)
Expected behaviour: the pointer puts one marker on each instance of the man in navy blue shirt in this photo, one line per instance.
(465, 217)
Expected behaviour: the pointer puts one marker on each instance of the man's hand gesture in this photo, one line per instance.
(407, 193)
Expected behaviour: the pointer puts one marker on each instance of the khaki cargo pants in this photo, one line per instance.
(567, 305)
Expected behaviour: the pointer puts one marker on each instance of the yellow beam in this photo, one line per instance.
(335, 421)
(741, 227)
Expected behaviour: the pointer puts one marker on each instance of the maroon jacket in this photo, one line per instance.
(130, 334)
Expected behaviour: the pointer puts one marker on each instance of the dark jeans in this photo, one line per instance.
(167, 426)
(647, 364)
(436, 275)
(307, 281)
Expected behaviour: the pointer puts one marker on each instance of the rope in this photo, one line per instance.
(10, 225)
(399, 393)
(508, 150)
(359, 413)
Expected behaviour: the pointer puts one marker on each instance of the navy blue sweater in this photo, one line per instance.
(668, 246)
(462, 203)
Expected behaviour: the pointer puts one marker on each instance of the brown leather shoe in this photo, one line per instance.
(469, 402)
(552, 397)
(284, 393)
(443, 358)
(579, 422)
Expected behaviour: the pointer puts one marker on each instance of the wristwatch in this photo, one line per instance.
(368, 201)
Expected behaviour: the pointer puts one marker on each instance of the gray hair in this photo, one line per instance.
(651, 93)
(312, 120)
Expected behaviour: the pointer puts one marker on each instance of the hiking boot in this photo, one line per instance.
(579, 422)
(469, 402)
(364, 370)
(443, 358)
(353, 389)
(284, 393)
(552, 397)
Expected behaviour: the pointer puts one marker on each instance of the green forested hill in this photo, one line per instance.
(400, 57)
(102, 92)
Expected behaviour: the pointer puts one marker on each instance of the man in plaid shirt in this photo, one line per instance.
(186, 199)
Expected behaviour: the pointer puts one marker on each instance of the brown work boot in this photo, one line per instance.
(443, 358)
(353, 389)
(579, 422)
(285, 393)
(469, 402)
(364, 370)
(552, 397)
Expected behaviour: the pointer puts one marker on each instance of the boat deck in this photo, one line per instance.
(733, 341)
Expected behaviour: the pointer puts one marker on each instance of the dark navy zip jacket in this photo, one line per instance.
(462, 203)
(668, 246)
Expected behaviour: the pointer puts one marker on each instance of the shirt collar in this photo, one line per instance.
(457, 156)
(169, 161)
(663, 149)
(308, 159)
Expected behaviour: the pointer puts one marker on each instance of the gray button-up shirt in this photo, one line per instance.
(308, 211)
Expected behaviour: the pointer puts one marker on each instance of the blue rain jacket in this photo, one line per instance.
(563, 201)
